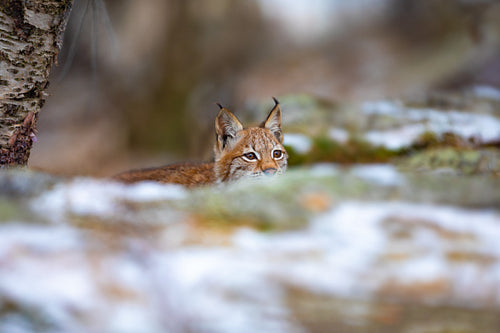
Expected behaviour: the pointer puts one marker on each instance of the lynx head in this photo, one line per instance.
(248, 152)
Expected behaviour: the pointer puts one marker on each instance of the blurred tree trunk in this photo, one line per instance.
(30, 39)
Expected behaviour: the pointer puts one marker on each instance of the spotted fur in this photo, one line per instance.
(239, 153)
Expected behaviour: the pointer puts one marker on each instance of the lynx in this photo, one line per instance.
(239, 153)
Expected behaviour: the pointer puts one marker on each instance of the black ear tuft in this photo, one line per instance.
(273, 121)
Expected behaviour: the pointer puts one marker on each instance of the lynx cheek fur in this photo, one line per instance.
(239, 153)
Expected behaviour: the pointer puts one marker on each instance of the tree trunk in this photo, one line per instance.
(30, 38)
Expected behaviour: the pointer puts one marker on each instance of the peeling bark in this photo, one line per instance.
(31, 34)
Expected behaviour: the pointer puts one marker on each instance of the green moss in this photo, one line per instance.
(12, 210)
(295, 158)
(426, 139)
(7, 210)
(357, 150)
(354, 150)
(430, 139)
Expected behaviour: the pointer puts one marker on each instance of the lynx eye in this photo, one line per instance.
(277, 154)
(250, 156)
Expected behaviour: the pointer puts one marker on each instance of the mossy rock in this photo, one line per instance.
(454, 160)
(354, 150)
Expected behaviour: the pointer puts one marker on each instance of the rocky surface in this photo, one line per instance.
(350, 249)
(455, 132)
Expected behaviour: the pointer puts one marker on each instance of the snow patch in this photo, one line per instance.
(324, 169)
(85, 196)
(396, 138)
(37, 238)
(382, 174)
(52, 283)
(487, 92)
(338, 134)
(481, 126)
(299, 142)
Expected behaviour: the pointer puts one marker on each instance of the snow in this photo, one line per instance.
(324, 169)
(36, 238)
(338, 134)
(383, 107)
(417, 121)
(227, 291)
(487, 92)
(396, 138)
(87, 197)
(131, 318)
(29, 278)
(381, 174)
(334, 255)
(299, 142)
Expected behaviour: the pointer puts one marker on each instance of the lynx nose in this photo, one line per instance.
(269, 171)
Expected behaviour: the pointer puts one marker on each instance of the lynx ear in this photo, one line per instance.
(273, 121)
(226, 127)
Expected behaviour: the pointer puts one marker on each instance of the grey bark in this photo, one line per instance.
(30, 38)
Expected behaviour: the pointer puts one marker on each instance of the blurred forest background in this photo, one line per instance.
(137, 88)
